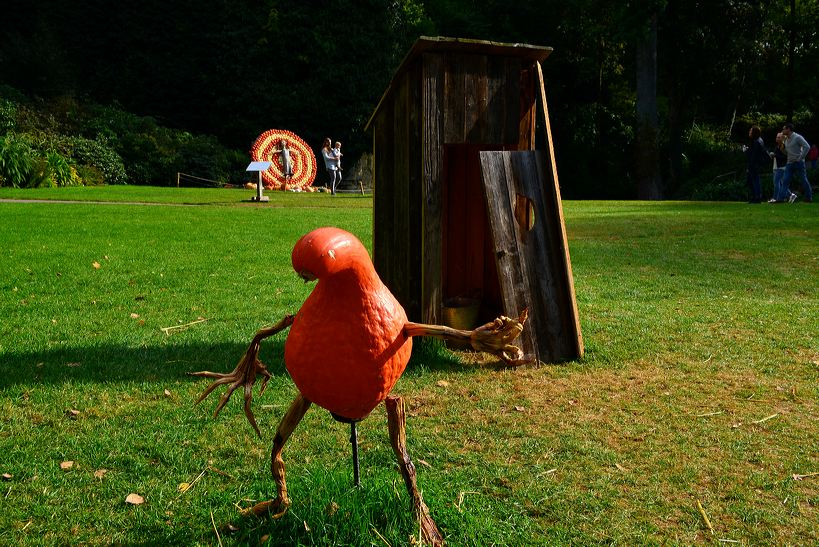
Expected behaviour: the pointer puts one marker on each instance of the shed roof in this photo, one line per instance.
(441, 44)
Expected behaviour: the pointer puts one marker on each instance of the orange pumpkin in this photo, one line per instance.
(346, 348)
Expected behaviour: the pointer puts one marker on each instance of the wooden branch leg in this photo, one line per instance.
(278, 506)
(396, 419)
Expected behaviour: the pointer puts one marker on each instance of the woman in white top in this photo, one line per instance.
(331, 164)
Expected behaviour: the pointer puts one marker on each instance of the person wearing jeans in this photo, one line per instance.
(782, 193)
(797, 148)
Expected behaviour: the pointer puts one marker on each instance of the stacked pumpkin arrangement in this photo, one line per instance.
(372, 342)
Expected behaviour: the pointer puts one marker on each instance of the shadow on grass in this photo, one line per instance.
(117, 363)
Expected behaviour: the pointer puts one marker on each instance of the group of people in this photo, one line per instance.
(788, 156)
(332, 162)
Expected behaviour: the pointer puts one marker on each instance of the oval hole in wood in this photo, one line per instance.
(525, 213)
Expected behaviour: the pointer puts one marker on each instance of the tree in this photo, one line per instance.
(647, 151)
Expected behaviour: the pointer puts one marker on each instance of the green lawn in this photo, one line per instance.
(697, 396)
(185, 196)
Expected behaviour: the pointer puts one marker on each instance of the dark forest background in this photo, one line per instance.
(649, 98)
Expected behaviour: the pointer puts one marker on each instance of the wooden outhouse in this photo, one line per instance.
(465, 209)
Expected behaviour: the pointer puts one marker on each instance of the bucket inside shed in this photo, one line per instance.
(469, 271)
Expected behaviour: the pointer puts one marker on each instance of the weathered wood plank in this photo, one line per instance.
(511, 98)
(530, 264)
(401, 233)
(555, 203)
(544, 267)
(475, 87)
(495, 100)
(496, 174)
(526, 125)
(383, 194)
(432, 96)
(416, 209)
(453, 99)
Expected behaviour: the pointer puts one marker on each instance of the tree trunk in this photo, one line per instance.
(791, 55)
(647, 157)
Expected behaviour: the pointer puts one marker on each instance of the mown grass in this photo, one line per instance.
(186, 196)
(699, 386)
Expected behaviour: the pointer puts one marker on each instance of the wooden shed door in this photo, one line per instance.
(531, 254)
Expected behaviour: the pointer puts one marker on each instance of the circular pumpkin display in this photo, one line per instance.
(346, 348)
(267, 148)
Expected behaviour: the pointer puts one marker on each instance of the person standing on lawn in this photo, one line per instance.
(331, 164)
(782, 193)
(797, 149)
(813, 155)
(757, 157)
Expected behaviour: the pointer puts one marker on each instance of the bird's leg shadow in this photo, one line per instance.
(396, 420)
(278, 507)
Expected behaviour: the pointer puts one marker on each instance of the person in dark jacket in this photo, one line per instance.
(757, 158)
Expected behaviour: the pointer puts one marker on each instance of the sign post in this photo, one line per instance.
(258, 167)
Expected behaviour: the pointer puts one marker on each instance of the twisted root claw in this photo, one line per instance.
(496, 338)
(275, 508)
(244, 375)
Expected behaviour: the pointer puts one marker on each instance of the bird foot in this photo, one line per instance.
(244, 375)
(495, 337)
(276, 509)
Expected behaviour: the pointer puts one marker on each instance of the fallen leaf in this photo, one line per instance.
(96, 265)
(332, 508)
(184, 486)
(442, 383)
(306, 528)
(7, 476)
(620, 467)
(134, 499)
(264, 538)
(167, 393)
(422, 462)
(100, 473)
(134, 316)
(66, 465)
(73, 365)
(520, 408)
(72, 413)
(231, 528)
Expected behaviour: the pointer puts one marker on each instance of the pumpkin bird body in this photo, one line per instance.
(347, 347)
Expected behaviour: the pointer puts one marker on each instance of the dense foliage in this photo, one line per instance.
(235, 69)
(63, 142)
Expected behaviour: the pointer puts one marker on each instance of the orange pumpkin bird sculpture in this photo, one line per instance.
(354, 313)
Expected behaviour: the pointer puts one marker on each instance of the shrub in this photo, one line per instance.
(714, 165)
(90, 175)
(16, 161)
(62, 173)
(98, 154)
(105, 145)
(8, 116)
